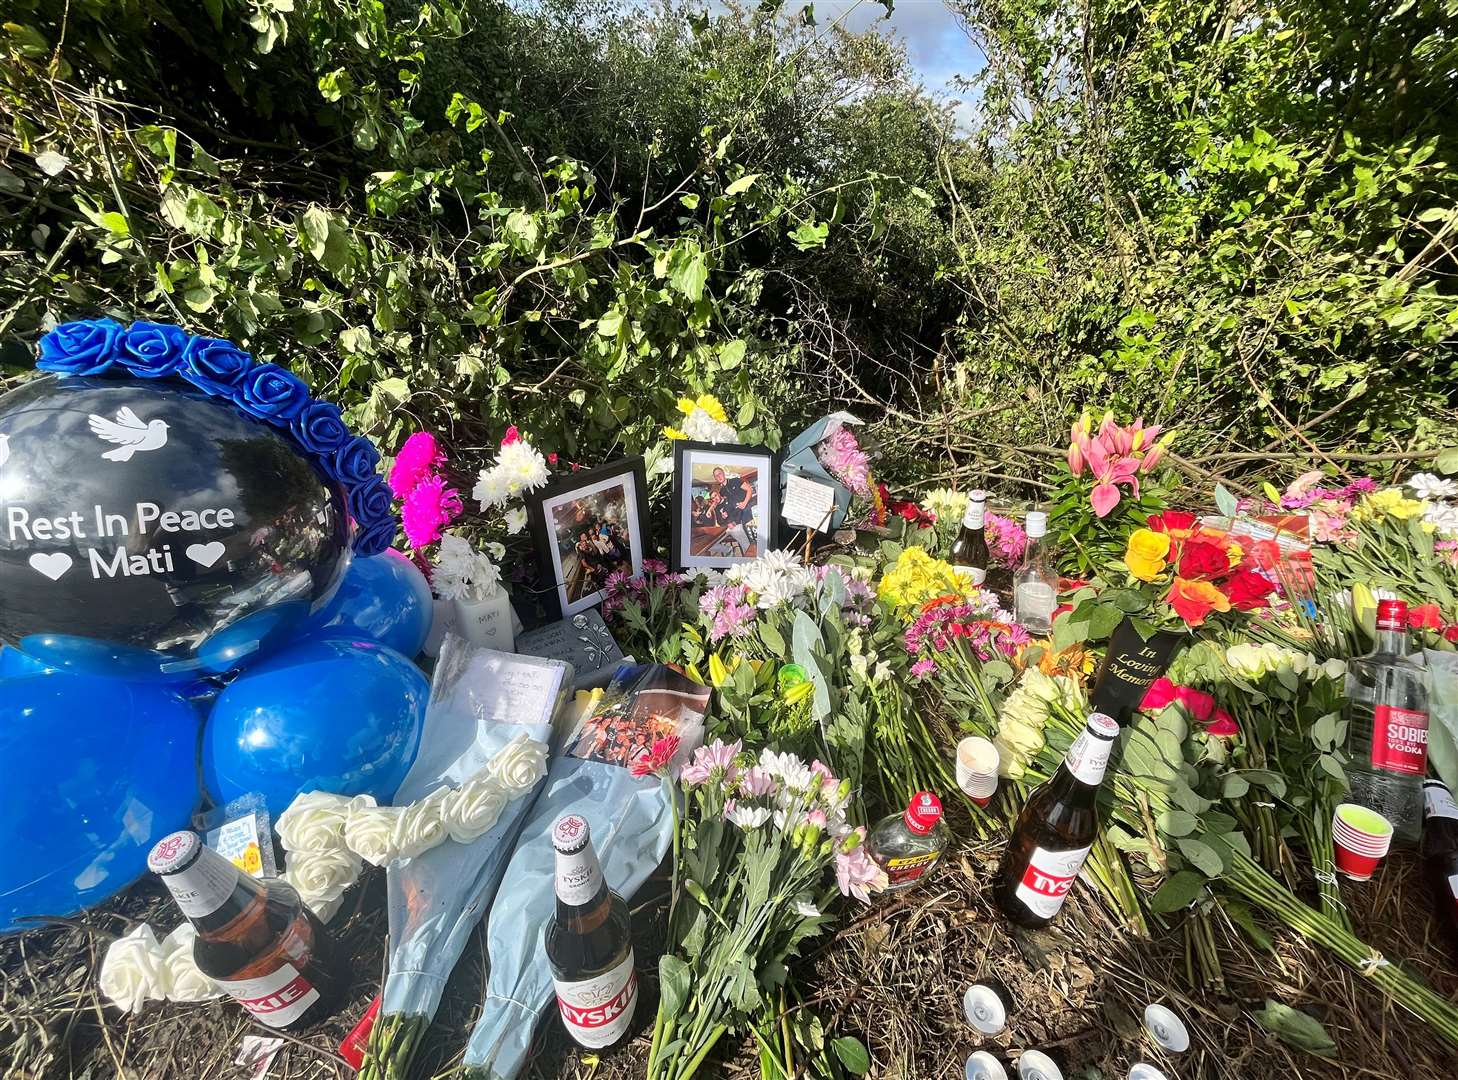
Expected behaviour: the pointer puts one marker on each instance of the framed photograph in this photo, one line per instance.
(587, 526)
(724, 504)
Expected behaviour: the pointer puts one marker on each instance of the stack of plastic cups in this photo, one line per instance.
(1360, 838)
(977, 769)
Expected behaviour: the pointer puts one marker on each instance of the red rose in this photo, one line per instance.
(1201, 560)
(1223, 725)
(1196, 702)
(1174, 522)
(1425, 617)
(1247, 590)
(1160, 693)
(1451, 632)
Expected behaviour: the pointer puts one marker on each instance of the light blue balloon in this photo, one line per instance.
(335, 714)
(93, 772)
(385, 598)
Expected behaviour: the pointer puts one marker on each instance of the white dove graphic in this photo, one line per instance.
(131, 433)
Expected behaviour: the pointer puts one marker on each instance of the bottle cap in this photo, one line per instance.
(1391, 614)
(174, 852)
(1037, 524)
(983, 1066)
(1036, 1065)
(571, 834)
(1166, 1028)
(923, 812)
(977, 495)
(1144, 1071)
(984, 1009)
(1103, 726)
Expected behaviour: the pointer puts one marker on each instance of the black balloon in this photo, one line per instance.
(150, 531)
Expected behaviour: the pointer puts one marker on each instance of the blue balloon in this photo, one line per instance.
(384, 598)
(14, 664)
(335, 714)
(92, 773)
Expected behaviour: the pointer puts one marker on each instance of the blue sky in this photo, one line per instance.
(938, 48)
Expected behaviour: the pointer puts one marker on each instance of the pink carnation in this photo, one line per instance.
(428, 509)
(418, 458)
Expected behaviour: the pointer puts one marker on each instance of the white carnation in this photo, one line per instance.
(185, 982)
(134, 971)
(314, 821)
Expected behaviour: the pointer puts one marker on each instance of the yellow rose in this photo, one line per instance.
(1146, 553)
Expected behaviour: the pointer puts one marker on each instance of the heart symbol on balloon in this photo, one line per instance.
(52, 565)
(205, 554)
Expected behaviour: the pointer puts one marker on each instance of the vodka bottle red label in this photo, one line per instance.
(1399, 740)
(1048, 877)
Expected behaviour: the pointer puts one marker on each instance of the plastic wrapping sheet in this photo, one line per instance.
(480, 700)
(632, 829)
(1443, 714)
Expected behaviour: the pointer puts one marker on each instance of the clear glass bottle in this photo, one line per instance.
(1387, 727)
(1035, 586)
(908, 845)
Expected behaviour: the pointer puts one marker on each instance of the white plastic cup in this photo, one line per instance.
(977, 763)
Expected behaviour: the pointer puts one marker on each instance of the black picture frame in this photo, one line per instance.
(763, 531)
(558, 569)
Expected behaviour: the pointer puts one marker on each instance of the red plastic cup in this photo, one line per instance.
(1360, 838)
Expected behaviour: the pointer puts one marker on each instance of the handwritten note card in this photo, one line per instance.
(808, 503)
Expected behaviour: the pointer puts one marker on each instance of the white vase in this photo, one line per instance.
(442, 622)
(486, 621)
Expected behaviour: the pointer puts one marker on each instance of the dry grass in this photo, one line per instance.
(893, 975)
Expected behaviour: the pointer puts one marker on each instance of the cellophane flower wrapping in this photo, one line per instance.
(480, 701)
(632, 828)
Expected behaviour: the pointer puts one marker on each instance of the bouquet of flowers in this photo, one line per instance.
(766, 848)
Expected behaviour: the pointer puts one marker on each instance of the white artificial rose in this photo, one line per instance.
(369, 832)
(519, 765)
(134, 971)
(322, 876)
(185, 982)
(473, 808)
(420, 826)
(314, 821)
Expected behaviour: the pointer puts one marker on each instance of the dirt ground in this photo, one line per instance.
(894, 975)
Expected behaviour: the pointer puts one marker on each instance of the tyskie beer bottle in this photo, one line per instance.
(969, 551)
(255, 938)
(1440, 855)
(1055, 830)
(589, 946)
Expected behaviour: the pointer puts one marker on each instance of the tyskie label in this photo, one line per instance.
(1400, 740)
(1088, 758)
(276, 999)
(1049, 876)
(1438, 801)
(596, 1012)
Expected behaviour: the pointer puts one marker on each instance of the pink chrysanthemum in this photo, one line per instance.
(418, 458)
(847, 462)
(428, 509)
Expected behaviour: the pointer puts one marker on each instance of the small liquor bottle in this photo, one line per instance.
(255, 939)
(908, 845)
(969, 551)
(1387, 730)
(1035, 587)
(1056, 830)
(588, 943)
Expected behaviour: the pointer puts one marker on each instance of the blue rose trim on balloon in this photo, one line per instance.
(219, 368)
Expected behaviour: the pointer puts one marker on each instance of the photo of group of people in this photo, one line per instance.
(590, 528)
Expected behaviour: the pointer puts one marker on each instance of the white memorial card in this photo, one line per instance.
(808, 504)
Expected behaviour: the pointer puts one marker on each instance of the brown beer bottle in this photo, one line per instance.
(969, 551)
(1440, 856)
(255, 938)
(1055, 830)
(589, 946)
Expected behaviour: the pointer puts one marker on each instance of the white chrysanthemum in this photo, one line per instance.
(699, 426)
(462, 572)
(516, 519)
(492, 489)
(748, 817)
(947, 505)
(1443, 517)
(523, 465)
(1431, 487)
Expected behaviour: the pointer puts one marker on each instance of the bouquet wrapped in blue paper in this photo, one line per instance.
(610, 772)
(485, 746)
(827, 453)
